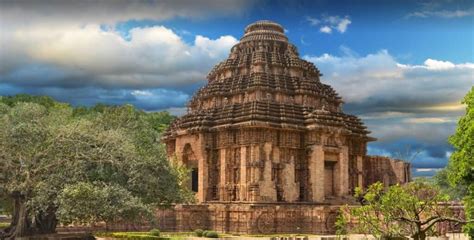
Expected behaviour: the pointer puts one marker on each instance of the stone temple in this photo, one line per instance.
(269, 148)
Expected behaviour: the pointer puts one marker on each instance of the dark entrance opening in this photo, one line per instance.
(329, 178)
(194, 179)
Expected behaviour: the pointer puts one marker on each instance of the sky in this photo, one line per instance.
(401, 66)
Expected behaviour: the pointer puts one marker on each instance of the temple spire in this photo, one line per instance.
(264, 30)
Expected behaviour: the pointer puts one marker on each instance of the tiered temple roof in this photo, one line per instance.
(265, 83)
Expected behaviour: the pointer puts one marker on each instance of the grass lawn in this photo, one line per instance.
(148, 236)
(183, 235)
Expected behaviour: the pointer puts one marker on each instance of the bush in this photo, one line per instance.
(155, 232)
(199, 232)
(211, 234)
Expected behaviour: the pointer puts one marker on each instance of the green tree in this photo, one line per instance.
(461, 163)
(50, 154)
(457, 192)
(402, 210)
(88, 203)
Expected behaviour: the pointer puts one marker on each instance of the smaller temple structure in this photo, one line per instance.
(268, 145)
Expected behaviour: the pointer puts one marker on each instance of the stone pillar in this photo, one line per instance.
(222, 188)
(360, 181)
(203, 176)
(255, 158)
(343, 168)
(316, 173)
(254, 172)
(243, 173)
(202, 155)
(267, 186)
(290, 187)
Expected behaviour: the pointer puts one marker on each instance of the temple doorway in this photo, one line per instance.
(194, 179)
(329, 178)
(190, 161)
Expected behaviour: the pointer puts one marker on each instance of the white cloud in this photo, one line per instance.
(152, 57)
(442, 13)
(330, 23)
(399, 101)
(384, 115)
(141, 93)
(378, 78)
(177, 111)
(325, 29)
(76, 52)
(442, 9)
(422, 120)
(342, 25)
(312, 21)
(436, 65)
(427, 169)
(215, 48)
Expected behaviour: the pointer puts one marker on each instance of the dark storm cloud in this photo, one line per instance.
(418, 153)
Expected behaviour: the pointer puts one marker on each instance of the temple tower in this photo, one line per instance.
(265, 129)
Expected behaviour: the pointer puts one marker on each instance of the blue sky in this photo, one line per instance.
(402, 66)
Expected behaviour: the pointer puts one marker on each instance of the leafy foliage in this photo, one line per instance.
(199, 232)
(53, 156)
(88, 203)
(461, 163)
(457, 192)
(412, 209)
(44, 101)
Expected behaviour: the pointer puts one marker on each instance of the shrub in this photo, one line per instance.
(199, 232)
(155, 232)
(211, 234)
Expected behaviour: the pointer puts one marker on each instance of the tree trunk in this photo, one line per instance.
(45, 222)
(7, 232)
(20, 224)
(23, 225)
(421, 235)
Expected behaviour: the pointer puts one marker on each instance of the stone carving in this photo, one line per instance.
(331, 220)
(266, 222)
(296, 221)
(197, 220)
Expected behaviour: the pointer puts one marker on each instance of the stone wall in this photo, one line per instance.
(385, 170)
(244, 218)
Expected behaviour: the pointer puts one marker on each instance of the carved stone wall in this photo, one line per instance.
(242, 218)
